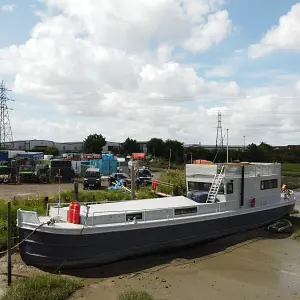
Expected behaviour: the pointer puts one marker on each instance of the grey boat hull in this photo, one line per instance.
(61, 251)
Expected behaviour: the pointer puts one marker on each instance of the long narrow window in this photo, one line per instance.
(137, 216)
(184, 211)
(269, 184)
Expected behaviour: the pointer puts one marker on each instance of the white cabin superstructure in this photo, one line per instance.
(241, 183)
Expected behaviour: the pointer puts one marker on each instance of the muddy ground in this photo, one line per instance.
(253, 265)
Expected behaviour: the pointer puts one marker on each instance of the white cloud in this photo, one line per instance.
(7, 7)
(113, 68)
(213, 32)
(284, 36)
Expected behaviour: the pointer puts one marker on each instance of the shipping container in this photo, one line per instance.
(3, 155)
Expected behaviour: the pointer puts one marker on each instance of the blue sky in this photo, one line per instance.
(251, 20)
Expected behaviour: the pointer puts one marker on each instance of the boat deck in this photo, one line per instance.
(139, 210)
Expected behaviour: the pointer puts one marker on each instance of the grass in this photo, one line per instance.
(293, 168)
(135, 295)
(177, 179)
(295, 220)
(43, 287)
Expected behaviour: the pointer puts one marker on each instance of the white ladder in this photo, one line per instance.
(215, 186)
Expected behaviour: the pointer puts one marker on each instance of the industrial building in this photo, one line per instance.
(68, 147)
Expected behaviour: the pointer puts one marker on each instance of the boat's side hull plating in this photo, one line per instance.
(60, 251)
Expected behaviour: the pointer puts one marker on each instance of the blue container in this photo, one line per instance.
(106, 166)
(3, 155)
(106, 156)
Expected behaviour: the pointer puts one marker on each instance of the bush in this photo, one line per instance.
(44, 287)
(135, 295)
(177, 179)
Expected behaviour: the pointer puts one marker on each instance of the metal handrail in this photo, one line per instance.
(125, 212)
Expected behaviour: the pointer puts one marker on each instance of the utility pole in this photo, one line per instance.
(219, 136)
(5, 128)
(227, 144)
(244, 142)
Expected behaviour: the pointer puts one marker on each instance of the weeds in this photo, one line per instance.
(295, 220)
(135, 295)
(43, 287)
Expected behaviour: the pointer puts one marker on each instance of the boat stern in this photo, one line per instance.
(25, 218)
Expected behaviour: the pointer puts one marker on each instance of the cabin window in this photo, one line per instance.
(229, 188)
(203, 186)
(184, 211)
(274, 183)
(269, 184)
(137, 216)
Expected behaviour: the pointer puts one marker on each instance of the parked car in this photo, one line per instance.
(144, 177)
(92, 179)
(119, 176)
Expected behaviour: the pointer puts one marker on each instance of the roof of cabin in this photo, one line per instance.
(139, 205)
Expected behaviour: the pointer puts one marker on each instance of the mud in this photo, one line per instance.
(254, 265)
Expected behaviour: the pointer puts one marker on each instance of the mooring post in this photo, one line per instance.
(75, 190)
(132, 182)
(9, 243)
(46, 200)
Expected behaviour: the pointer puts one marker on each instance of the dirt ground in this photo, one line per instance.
(31, 190)
(255, 265)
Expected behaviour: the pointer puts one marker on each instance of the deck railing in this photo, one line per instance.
(213, 208)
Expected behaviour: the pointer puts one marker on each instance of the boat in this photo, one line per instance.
(222, 199)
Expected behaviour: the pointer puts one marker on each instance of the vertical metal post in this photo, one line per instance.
(244, 142)
(191, 158)
(59, 200)
(227, 144)
(9, 243)
(132, 181)
(76, 191)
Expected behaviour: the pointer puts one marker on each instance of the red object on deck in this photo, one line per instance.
(252, 202)
(76, 215)
(71, 212)
(138, 155)
(154, 185)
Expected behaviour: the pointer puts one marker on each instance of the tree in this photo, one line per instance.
(130, 146)
(51, 151)
(156, 147)
(94, 143)
(176, 149)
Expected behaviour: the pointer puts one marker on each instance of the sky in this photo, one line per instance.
(159, 68)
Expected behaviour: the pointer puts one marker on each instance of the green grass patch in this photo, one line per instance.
(295, 220)
(44, 287)
(286, 167)
(295, 211)
(135, 295)
(177, 179)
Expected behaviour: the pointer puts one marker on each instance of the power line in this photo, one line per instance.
(5, 128)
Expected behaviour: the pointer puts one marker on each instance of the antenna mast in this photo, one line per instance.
(219, 137)
(5, 128)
